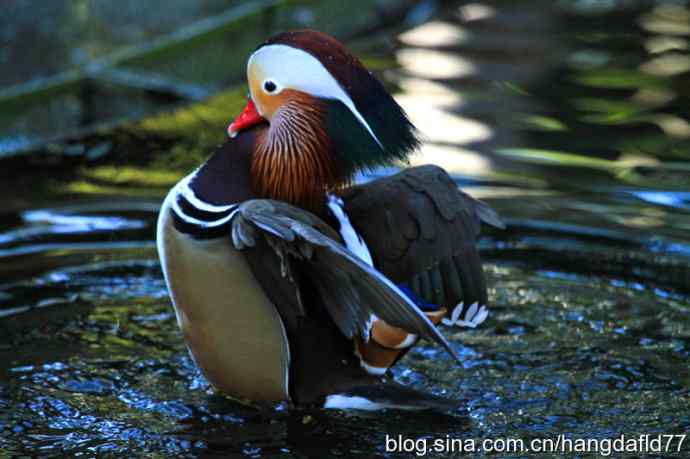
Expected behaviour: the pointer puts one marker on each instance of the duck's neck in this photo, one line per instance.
(225, 177)
(293, 160)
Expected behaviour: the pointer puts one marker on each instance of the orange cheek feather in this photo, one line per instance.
(259, 108)
(266, 103)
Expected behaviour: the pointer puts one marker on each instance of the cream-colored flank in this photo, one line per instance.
(232, 329)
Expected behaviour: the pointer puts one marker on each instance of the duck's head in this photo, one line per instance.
(327, 117)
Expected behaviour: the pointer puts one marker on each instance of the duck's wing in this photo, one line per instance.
(351, 290)
(422, 230)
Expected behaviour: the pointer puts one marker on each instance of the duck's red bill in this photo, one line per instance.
(248, 118)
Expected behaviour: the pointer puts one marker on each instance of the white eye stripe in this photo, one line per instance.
(299, 70)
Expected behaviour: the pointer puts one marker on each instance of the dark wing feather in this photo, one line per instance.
(422, 230)
(351, 290)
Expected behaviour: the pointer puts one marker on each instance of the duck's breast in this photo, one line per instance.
(231, 328)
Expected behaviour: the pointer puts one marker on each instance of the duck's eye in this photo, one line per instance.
(269, 86)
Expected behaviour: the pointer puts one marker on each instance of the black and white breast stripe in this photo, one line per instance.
(198, 218)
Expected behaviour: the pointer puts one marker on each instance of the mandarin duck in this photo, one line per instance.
(288, 282)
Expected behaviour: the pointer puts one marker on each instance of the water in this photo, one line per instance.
(570, 118)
